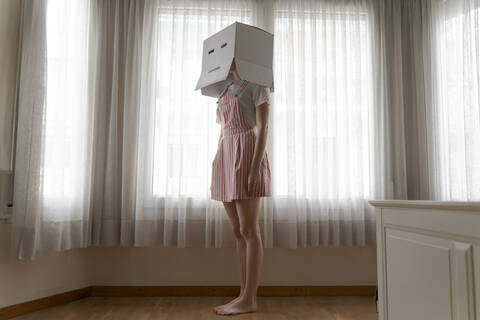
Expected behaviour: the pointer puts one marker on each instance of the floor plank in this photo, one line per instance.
(200, 308)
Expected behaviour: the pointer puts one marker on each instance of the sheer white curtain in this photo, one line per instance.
(52, 169)
(322, 122)
(115, 146)
(456, 47)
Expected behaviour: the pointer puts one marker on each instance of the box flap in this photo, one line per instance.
(214, 90)
(254, 73)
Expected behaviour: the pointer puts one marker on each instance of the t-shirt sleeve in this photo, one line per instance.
(260, 95)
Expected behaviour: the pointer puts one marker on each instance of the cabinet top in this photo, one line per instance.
(427, 204)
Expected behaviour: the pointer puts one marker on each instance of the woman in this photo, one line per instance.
(240, 176)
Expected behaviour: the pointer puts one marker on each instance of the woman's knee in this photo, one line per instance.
(249, 232)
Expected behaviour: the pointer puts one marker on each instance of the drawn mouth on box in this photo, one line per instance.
(214, 69)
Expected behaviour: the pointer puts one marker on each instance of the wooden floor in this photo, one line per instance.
(200, 308)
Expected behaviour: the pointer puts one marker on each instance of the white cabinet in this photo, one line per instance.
(428, 256)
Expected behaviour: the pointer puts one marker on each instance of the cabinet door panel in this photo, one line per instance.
(429, 277)
(418, 277)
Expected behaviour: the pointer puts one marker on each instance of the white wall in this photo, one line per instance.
(200, 266)
(56, 272)
(51, 273)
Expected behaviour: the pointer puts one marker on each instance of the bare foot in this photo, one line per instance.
(217, 309)
(239, 306)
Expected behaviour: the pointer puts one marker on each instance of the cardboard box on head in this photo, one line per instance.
(252, 49)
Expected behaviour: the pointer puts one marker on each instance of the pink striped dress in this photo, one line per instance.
(234, 156)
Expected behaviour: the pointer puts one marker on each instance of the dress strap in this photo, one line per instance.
(243, 85)
(224, 90)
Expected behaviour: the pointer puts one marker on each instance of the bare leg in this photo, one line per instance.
(247, 210)
(231, 210)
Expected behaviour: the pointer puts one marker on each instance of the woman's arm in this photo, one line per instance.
(221, 135)
(261, 115)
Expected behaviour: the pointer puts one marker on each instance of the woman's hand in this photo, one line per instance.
(253, 178)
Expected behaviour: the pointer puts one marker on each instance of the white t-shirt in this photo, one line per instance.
(250, 98)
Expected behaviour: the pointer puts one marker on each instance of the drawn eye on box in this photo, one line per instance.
(222, 46)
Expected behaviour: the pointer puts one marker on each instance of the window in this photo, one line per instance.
(65, 170)
(324, 79)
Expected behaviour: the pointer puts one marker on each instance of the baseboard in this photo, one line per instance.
(263, 291)
(43, 303)
(145, 291)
